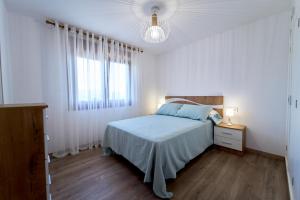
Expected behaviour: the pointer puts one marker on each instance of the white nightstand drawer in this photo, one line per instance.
(229, 133)
(229, 143)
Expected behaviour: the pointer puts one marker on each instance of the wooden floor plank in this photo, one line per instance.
(214, 175)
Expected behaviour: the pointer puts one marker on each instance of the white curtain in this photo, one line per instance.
(89, 81)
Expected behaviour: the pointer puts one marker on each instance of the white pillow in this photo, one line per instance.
(215, 116)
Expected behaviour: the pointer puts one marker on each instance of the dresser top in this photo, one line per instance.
(27, 105)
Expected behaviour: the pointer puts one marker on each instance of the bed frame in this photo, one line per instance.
(215, 101)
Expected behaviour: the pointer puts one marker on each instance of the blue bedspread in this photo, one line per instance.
(158, 145)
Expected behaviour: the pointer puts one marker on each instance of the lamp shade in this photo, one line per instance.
(155, 33)
(230, 112)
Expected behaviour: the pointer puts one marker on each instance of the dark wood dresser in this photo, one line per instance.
(23, 153)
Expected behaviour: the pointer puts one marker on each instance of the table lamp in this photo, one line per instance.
(230, 112)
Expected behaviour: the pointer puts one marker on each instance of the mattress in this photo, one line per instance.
(158, 145)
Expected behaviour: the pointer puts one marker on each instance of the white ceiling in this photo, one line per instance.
(192, 19)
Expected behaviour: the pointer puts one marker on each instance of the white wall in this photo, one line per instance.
(3, 64)
(2, 10)
(248, 65)
(24, 60)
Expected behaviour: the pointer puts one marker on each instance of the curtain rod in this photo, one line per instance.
(60, 25)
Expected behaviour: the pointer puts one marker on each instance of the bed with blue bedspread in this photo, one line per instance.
(159, 145)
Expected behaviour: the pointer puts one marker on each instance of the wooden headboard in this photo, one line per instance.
(215, 101)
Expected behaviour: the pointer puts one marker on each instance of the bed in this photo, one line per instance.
(151, 143)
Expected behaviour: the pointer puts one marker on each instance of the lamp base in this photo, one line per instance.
(229, 123)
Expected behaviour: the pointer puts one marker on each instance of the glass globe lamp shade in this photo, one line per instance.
(155, 33)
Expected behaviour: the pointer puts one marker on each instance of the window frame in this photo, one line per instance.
(106, 102)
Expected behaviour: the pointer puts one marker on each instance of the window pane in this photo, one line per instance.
(119, 82)
(89, 80)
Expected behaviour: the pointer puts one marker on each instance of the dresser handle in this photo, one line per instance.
(227, 133)
(227, 143)
(48, 138)
(48, 158)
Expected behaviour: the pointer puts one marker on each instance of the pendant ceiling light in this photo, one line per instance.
(155, 30)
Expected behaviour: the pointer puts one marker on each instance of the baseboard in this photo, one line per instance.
(270, 155)
(289, 179)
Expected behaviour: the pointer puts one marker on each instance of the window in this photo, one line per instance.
(99, 72)
(101, 85)
(118, 82)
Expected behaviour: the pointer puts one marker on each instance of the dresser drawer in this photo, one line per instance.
(229, 143)
(229, 133)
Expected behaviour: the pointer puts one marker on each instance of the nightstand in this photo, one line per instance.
(231, 137)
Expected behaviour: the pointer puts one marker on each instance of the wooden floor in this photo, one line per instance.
(215, 175)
